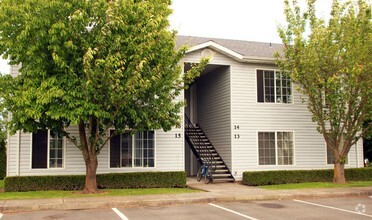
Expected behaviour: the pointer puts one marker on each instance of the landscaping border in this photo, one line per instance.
(175, 179)
(260, 178)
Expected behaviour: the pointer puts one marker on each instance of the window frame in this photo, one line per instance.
(327, 150)
(132, 151)
(48, 153)
(276, 147)
(276, 71)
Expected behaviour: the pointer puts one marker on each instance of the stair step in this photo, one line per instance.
(201, 144)
(221, 175)
(223, 180)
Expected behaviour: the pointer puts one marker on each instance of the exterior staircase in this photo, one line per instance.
(206, 153)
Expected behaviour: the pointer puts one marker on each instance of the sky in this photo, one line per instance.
(251, 20)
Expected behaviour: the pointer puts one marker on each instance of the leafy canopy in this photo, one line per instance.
(104, 63)
(331, 63)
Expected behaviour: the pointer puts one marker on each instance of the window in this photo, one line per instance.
(47, 145)
(330, 156)
(275, 148)
(136, 150)
(55, 150)
(274, 87)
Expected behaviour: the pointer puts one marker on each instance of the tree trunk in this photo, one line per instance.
(91, 164)
(339, 173)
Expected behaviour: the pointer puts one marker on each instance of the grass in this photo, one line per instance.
(317, 185)
(77, 194)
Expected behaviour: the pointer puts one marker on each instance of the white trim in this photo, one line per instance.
(132, 168)
(48, 153)
(276, 149)
(275, 102)
(218, 48)
(231, 125)
(357, 155)
(232, 54)
(64, 146)
(31, 149)
(18, 156)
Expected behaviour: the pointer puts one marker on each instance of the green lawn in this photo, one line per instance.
(317, 185)
(74, 194)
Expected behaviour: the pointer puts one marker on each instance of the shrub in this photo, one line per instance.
(259, 178)
(2, 160)
(109, 181)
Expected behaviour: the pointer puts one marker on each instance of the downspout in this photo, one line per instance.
(357, 156)
(7, 152)
(18, 153)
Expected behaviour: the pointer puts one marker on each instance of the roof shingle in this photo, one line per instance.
(244, 48)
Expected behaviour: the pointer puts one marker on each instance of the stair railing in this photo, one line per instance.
(198, 145)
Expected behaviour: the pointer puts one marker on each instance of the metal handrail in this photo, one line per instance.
(199, 144)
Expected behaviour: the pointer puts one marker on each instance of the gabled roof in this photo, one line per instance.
(244, 51)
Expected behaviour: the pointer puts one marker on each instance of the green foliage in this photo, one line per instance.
(97, 64)
(316, 185)
(123, 71)
(260, 178)
(331, 61)
(104, 181)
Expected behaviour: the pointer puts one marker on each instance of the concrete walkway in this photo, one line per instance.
(218, 192)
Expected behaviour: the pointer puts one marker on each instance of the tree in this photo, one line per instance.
(96, 64)
(331, 64)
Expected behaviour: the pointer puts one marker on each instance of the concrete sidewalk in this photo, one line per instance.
(218, 192)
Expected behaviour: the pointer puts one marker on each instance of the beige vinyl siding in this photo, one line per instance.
(214, 110)
(168, 151)
(169, 154)
(253, 117)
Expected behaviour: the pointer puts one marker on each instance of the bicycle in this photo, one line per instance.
(204, 172)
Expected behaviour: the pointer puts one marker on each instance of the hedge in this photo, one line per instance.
(2, 160)
(109, 181)
(259, 178)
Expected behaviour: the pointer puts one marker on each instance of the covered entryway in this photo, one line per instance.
(208, 110)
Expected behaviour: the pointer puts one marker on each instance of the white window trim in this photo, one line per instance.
(48, 152)
(133, 167)
(276, 149)
(326, 157)
(63, 153)
(273, 103)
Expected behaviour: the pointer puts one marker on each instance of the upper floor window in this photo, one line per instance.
(273, 86)
(136, 150)
(47, 149)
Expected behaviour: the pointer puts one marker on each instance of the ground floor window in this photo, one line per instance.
(137, 150)
(275, 148)
(330, 155)
(47, 149)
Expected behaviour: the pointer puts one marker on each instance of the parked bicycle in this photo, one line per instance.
(204, 172)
